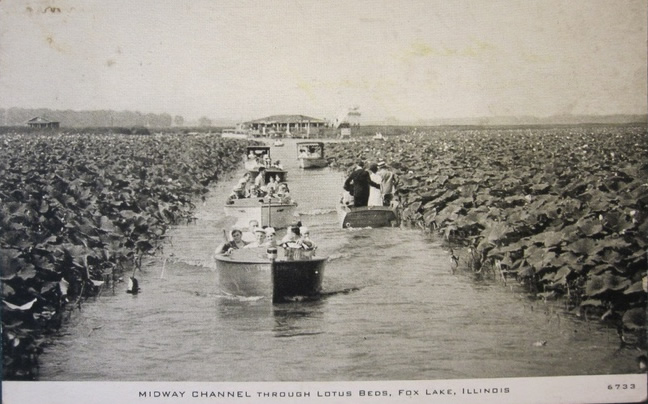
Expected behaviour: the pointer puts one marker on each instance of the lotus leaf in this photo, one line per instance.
(592, 302)
(552, 238)
(590, 227)
(636, 287)
(583, 246)
(605, 283)
(635, 319)
(562, 274)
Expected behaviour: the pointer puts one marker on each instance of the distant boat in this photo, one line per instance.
(235, 134)
(366, 216)
(271, 212)
(311, 155)
(278, 143)
(282, 280)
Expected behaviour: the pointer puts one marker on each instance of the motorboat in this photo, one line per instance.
(366, 216)
(278, 143)
(258, 272)
(311, 155)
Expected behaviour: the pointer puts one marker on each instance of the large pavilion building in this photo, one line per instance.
(40, 123)
(288, 124)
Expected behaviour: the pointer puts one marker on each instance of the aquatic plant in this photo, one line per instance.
(77, 211)
(563, 210)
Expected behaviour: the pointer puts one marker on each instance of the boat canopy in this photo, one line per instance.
(258, 151)
(311, 149)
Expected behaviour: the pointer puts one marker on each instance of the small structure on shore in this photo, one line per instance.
(42, 123)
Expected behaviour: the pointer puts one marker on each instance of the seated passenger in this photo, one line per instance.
(283, 193)
(240, 189)
(260, 235)
(272, 185)
(270, 240)
(305, 239)
(277, 164)
(292, 235)
(236, 243)
(249, 236)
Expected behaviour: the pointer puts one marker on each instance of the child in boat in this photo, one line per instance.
(234, 244)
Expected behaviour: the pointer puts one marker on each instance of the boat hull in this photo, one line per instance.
(281, 280)
(277, 215)
(306, 162)
(366, 216)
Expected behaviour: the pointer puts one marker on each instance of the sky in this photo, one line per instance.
(405, 60)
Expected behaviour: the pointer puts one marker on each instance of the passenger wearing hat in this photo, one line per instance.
(387, 184)
(358, 183)
(260, 235)
(270, 240)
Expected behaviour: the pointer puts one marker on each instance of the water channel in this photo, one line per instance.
(393, 310)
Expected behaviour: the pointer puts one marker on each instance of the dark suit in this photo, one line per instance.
(357, 184)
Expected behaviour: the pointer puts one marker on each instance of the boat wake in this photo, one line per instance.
(339, 292)
(338, 256)
(299, 334)
(317, 212)
(235, 298)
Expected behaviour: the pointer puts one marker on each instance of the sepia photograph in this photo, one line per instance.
(302, 201)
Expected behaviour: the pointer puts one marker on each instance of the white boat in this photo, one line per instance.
(252, 273)
(259, 156)
(235, 134)
(271, 212)
(278, 143)
(366, 216)
(311, 155)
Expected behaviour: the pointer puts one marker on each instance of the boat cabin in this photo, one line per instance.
(259, 156)
(310, 149)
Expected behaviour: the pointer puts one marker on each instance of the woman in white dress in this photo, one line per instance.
(375, 197)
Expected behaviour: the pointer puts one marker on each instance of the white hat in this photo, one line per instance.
(269, 231)
(259, 230)
(304, 230)
(381, 163)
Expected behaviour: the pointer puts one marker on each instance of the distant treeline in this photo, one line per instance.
(88, 119)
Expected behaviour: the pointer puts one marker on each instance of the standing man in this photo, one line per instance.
(387, 186)
(358, 183)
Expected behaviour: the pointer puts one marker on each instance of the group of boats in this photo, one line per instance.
(289, 275)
